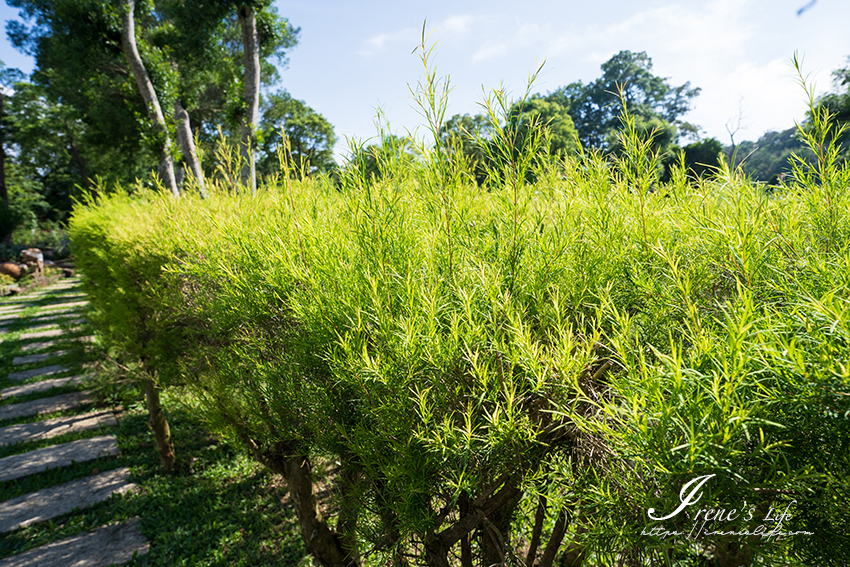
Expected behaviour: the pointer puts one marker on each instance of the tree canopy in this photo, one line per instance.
(191, 51)
(311, 136)
(838, 103)
(80, 117)
(626, 78)
(471, 134)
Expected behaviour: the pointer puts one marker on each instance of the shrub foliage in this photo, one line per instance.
(512, 374)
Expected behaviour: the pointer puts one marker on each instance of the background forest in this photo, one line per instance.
(80, 122)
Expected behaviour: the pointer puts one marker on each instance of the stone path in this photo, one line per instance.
(38, 430)
(64, 307)
(43, 345)
(30, 358)
(53, 324)
(54, 316)
(45, 334)
(34, 387)
(29, 392)
(52, 404)
(38, 372)
(57, 456)
(108, 545)
(57, 500)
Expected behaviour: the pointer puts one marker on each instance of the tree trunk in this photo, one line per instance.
(539, 518)
(159, 424)
(494, 534)
(187, 145)
(131, 52)
(251, 81)
(437, 545)
(555, 541)
(4, 193)
(78, 159)
(574, 553)
(322, 542)
(349, 513)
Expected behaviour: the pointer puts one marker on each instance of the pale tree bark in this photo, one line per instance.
(131, 52)
(251, 82)
(4, 194)
(187, 145)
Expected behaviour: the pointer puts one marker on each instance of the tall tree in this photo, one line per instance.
(472, 134)
(80, 64)
(7, 77)
(193, 54)
(555, 118)
(46, 141)
(311, 136)
(251, 84)
(838, 103)
(187, 144)
(768, 158)
(596, 106)
(128, 43)
(462, 133)
(4, 193)
(703, 157)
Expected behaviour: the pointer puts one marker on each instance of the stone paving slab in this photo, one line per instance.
(54, 316)
(47, 334)
(57, 456)
(112, 544)
(40, 386)
(55, 293)
(44, 371)
(30, 358)
(51, 502)
(65, 311)
(48, 300)
(48, 428)
(64, 297)
(54, 324)
(29, 347)
(59, 289)
(50, 308)
(52, 404)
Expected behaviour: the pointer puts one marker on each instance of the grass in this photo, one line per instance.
(216, 508)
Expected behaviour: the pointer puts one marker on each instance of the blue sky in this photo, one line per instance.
(354, 57)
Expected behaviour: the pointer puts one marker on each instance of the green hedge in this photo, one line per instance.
(494, 373)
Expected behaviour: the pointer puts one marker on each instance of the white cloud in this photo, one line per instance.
(457, 24)
(490, 51)
(737, 59)
(450, 27)
(765, 96)
(378, 43)
(737, 51)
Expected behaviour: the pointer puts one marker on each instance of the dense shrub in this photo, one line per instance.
(511, 375)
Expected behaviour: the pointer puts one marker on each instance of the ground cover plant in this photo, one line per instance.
(218, 507)
(526, 371)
